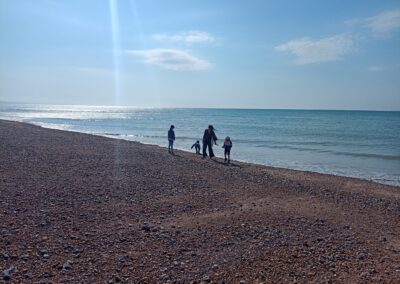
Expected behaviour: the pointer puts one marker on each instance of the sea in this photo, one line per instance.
(362, 144)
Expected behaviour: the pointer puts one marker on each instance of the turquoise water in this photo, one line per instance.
(364, 144)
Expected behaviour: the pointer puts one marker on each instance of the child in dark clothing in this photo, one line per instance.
(227, 147)
(196, 146)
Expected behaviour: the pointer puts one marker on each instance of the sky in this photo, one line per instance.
(307, 54)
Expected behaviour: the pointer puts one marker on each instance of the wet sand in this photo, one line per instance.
(78, 208)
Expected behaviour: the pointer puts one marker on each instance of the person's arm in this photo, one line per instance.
(192, 146)
(215, 138)
(173, 135)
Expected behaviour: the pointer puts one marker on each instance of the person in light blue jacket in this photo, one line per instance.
(171, 139)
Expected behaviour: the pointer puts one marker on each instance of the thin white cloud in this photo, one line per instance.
(376, 68)
(384, 23)
(321, 50)
(188, 37)
(172, 59)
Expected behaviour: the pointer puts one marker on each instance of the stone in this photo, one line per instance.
(24, 257)
(4, 256)
(361, 256)
(67, 266)
(7, 273)
(146, 227)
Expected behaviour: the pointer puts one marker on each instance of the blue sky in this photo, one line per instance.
(241, 54)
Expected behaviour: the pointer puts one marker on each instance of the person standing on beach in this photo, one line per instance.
(209, 138)
(171, 139)
(227, 148)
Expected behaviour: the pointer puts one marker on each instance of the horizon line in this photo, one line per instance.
(173, 107)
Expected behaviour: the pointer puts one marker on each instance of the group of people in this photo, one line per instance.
(209, 139)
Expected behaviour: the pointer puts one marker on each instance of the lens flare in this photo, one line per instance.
(116, 50)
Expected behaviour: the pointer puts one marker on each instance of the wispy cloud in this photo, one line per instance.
(384, 23)
(188, 37)
(172, 59)
(376, 68)
(321, 50)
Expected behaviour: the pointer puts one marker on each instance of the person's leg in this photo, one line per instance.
(172, 146)
(225, 151)
(169, 146)
(210, 150)
(204, 149)
(229, 156)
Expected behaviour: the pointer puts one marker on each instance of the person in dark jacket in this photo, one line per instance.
(171, 139)
(196, 146)
(209, 138)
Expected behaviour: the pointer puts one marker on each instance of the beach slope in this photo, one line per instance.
(78, 208)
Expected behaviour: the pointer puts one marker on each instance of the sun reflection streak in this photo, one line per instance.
(116, 50)
(117, 89)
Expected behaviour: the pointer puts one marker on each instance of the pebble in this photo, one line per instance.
(146, 227)
(383, 259)
(67, 266)
(24, 257)
(361, 256)
(3, 256)
(7, 273)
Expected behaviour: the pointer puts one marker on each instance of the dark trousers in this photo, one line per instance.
(170, 146)
(210, 150)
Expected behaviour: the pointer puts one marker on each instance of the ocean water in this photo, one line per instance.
(363, 144)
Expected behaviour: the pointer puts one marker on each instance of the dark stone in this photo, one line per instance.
(24, 257)
(146, 227)
(67, 266)
(7, 274)
(3, 256)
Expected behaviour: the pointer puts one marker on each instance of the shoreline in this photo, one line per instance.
(76, 208)
(112, 136)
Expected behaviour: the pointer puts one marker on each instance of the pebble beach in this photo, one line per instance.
(80, 208)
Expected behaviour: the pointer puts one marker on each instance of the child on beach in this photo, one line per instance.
(227, 147)
(171, 139)
(196, 146)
